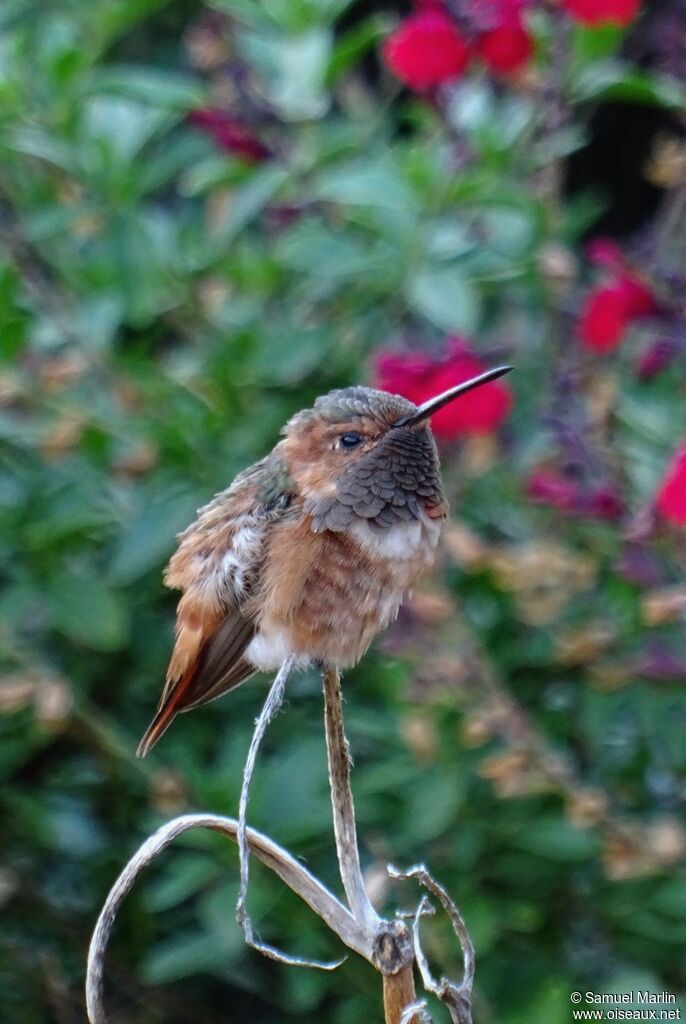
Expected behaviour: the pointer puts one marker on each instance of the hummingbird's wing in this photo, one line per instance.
(218, 567)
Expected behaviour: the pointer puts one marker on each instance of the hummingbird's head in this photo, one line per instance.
(363, 453)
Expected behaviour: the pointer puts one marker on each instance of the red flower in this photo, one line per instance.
(603, 319)
(426, 49)
(609, 309)
(602, 12)
(230, 134)
(417, 377)
(548, 487)
(506, 49)
(671, 496)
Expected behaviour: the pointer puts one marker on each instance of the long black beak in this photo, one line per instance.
(434, 404)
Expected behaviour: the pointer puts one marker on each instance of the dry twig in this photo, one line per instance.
(292, 872)
(458, 998)
(389, 946)
(345, 829)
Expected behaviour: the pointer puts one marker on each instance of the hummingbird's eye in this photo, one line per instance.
(350, 440)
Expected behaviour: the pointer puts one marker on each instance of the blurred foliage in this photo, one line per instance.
(165, 306)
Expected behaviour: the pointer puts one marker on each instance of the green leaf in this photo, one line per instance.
(613, 79)
(37, 143)
(445, 297)
(150, 538)
(288, 15)
(115, 17)
(294, 70)
(249, 200)
(556, 839)
(149, 85)
(189, 874)
(593, 44)
(290, 355)
(448, 237)
(208, 174)
(312, 248)
(120, 127)
(363, 184)
(670, 898)
(427, 819)
(352, 46)
(510, 231)
(183, 955)
(89, 613)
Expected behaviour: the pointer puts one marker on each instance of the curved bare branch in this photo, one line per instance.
(298, 878)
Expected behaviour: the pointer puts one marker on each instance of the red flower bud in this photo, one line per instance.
(605, 503)
(229, 134)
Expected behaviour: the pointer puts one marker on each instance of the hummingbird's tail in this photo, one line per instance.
(170, 708)
(159, 725)
(219, 668)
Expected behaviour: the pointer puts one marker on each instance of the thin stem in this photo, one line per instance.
(393, 951)
(290, 870)
(345, 830)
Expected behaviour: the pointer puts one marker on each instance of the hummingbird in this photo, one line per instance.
(310, 552)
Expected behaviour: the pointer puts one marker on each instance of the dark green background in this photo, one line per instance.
(162, 314)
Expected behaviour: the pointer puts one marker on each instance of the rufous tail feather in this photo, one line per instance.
(165, 715)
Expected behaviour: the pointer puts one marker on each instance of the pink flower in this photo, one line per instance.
(506, 49)
(230, 134)
(602, 12)
(670, 500)
(417, 377)
(426, 49)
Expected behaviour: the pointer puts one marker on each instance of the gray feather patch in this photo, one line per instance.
(383, 486)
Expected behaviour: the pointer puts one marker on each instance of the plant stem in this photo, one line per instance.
(345, 830)
(398, 992)
(393, 947)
